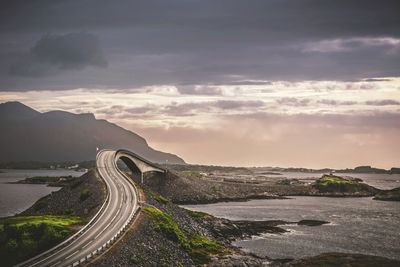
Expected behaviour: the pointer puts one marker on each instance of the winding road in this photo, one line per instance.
(113, 217)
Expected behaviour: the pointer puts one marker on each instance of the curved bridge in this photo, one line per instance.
(137, 163)
(113, 218)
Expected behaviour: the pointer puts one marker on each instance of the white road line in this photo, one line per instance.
(70, 255)
(90, 242)
(56, 264)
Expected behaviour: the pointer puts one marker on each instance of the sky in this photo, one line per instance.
(247, 83)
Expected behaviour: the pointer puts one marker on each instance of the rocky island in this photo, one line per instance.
(389, 195)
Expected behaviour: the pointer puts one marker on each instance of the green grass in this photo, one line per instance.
(200, 248)
(197, 214)
(333, 179)
(85, 194)
(337, 184)
(47, 219)
(135, 259)
(22, 237)
(157, 197)
(165, 224)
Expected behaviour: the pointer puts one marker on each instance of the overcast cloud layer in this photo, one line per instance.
(195, 42)
(218, 82)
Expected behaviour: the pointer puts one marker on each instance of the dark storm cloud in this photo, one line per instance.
(203, 42)
(52, 53)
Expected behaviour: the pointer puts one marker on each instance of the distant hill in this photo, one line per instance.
(59, 136)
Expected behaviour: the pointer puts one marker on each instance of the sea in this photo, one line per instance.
(357, 225)
(15, 198)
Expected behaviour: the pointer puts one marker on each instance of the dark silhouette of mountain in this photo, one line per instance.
(59, 136)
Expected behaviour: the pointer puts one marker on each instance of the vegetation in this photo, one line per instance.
(135, 259)
(195, 174)
(196, 214)
(157, 197)
(22, 237)
(199, 248)
(85, 193)
(333, 183)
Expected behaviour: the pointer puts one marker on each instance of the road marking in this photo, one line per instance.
(55, 264)
(87, 244)
(69, 256)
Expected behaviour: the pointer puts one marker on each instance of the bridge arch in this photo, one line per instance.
(137, 163)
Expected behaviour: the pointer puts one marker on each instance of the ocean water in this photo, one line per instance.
(15, 198)
(357, 225)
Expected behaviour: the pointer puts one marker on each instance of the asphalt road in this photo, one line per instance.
(122, 202)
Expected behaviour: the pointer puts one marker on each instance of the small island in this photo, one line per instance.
(337, 186)
(389, 195)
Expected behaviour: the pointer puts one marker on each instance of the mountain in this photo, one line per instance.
(59, 136)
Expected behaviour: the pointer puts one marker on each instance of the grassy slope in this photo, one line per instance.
(22, 237)
(199, 247)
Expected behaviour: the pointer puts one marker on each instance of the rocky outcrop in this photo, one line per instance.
(82, 197)
(187, 189)
(389, 195)
(336, 186)
(341, 259)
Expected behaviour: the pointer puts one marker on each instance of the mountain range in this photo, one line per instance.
(58, 136)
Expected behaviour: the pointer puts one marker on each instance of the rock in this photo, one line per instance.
(336, 186)
(389, 195)
(342, 259)
(311, 222)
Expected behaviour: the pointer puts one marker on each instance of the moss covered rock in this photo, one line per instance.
(332, 185)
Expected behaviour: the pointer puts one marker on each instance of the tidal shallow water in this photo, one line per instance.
(15, 198)
(358, 225)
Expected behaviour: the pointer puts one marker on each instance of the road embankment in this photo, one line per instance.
(82, 197)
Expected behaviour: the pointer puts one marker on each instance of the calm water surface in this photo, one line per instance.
(15, 198)
(358, 225)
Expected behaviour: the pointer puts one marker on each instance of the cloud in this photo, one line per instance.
(53, 53)
(238, 104)
(198, 43)
(376, 80)
(292, 101)
(198, 90)
(192, 108)
(385, 102)
(350, 44)
(332, 102)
